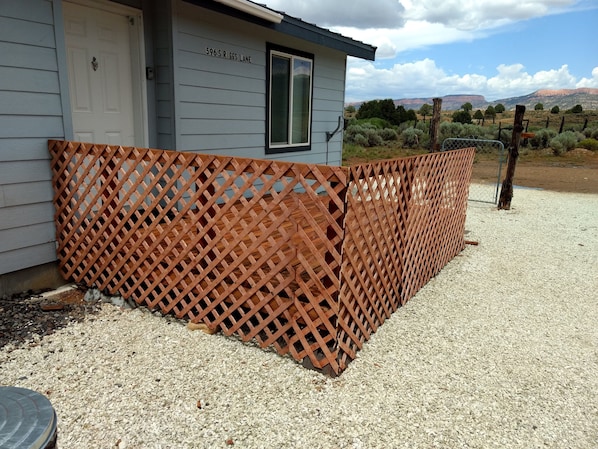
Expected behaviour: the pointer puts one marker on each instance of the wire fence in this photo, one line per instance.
(487, 151)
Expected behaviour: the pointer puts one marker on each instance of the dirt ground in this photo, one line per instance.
(576, 171)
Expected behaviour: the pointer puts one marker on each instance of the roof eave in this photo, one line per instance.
(312, 33)
(291, 26)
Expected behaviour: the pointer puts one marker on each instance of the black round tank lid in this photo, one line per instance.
(27, 419)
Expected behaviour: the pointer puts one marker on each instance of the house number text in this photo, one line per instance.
(225, 54)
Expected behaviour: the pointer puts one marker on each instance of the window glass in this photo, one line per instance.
(301, 100)
(279, 104)
(290, 101)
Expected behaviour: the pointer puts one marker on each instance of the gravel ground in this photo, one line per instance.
(500, 350)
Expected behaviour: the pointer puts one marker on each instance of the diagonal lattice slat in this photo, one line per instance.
(305, 258)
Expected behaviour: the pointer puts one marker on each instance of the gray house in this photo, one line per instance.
(227, 77)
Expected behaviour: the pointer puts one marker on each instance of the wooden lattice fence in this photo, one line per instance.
(308, 259)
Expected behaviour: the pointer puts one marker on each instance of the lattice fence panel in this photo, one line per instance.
(405, 221)
(247, 246)
(293, 256)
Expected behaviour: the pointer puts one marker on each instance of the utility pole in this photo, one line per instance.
(506, 192)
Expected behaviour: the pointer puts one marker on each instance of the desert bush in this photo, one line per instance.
(589, 144)
(563, 142)
(591, 133)
(449, 130)
(388, 134)
(542, 138)
(374, 137)
(367, 133)
(360, 140)
(412, 137)
(425, 127)
(470, 131)
(375, 122)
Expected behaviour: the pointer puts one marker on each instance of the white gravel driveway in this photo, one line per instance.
(500, 350)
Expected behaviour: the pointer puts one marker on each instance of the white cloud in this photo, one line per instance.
(412, 35)
(475, 14)
(425, 79)
(385, 13)
(396, 27)
(458, 14)
(589, 82)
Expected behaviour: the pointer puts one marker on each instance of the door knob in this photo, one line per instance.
(94, 64)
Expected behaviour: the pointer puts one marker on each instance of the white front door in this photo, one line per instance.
(98, 44)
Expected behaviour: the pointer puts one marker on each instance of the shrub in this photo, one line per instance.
(360, 139)
(470, 131)
(589, 144)
(555, 110)
(411, 137)
(542, 138)
(563, 142)
(375, 122)
(389, 134)
(449, 130)
(374, 137)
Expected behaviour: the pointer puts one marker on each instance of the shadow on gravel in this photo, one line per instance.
(28, 315)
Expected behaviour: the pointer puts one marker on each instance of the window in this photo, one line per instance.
(289, 100)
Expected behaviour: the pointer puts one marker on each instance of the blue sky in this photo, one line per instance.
(427, 48)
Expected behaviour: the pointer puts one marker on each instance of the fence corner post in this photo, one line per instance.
(506, 192)
(435, 125)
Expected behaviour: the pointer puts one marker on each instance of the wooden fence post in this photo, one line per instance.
(506, 192)
(435, 125)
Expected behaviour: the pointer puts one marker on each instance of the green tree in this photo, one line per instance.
(499, 108)
(369, 109)
(478, 116)
(577, 109)
(411, 116)
(425, 110)
(539, 107)
(388, 111)
(490, 112)
(555, 110)
(350, 109)
(467, 107)
(384, 109)
(461, 117)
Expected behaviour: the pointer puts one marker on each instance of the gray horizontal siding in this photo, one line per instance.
(23, 149)
(26, 237)
(30, 10)
(30, 126)
(31, 112)
(25, 32)
(14, 217)
(222, 144)
(28, 256)
(28, 80)
(14, 195)
(21, 103)
(221, 103)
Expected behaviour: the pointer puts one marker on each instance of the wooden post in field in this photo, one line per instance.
(506, 192)
(435, 125)
(562, 125)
